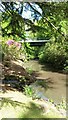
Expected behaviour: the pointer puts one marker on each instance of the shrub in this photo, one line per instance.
(54, 54)
(12, 50)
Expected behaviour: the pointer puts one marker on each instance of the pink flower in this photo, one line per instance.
(17, 45)
(10, 42)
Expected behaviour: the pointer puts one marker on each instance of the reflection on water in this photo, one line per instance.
(50, 84)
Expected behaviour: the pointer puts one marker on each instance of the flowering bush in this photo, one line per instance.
(11, 49)
(14, 43)
(10, 42)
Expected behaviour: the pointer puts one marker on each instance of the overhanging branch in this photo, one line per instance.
(50, 23)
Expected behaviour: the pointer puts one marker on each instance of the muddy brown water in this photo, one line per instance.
(53, 83)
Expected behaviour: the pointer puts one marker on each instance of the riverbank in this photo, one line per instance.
(52, 84)
(13, 100)
(15, 104)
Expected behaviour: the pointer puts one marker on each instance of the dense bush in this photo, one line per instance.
(55, 54)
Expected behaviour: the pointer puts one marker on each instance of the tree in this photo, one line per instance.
(52, 21)
(13, 22)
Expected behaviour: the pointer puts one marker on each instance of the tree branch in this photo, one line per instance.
(51, 24)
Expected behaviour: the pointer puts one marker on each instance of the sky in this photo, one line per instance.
(27, 13)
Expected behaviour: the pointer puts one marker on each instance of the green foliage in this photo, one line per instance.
(50, 100)
(66, 69)
(54, 54)
(62, 105)
(28, 91)
(31, 52)
(12, 23)
(66, 66)
(52, 21)
(29, 71)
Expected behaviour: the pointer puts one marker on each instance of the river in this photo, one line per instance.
(53, 83)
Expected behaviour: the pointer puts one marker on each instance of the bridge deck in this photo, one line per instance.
(34, 41)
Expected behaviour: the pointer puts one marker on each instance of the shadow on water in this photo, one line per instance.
(45, 83)
(51, 68)
(36, 64)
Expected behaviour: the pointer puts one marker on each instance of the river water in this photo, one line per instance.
(50, 84)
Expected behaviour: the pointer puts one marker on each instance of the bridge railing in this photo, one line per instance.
(34, 41)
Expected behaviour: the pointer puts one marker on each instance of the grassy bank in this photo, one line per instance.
(16, 105)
